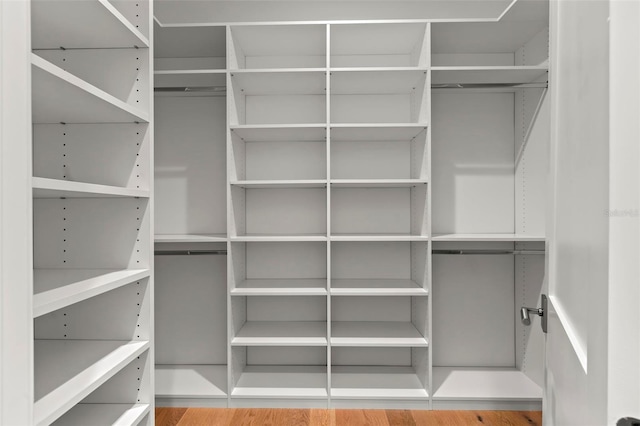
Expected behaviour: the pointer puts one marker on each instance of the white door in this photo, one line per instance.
(592, 374)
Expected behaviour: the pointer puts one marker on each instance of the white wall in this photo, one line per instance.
(16, 330)
(624, 204)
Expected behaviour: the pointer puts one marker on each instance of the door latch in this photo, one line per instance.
(541, 311)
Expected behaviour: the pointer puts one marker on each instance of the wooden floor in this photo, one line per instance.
(305, 417)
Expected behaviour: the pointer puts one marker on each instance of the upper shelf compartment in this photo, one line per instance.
(379, 45)
(277, 46)
(88, 24)
(189, 48)
(84, 103)
(506, 43)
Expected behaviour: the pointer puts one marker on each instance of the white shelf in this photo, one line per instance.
(376, 334)
(385, 132)
(356, 382)
(190, 238)
(374, 44)
(281, 333)
(285, 45)
(82, 24)
(104, 414)
(487, 75)
(281, 82)
(376, 183)
(191, 78)
(191, 381)
(281, 287)
(276, 238)
(281, 132)
(66, 371)
(315, 183)
(352, 81)
(376, 287)
(56, 288)
(83, 102)
(274, 381)
(483, 384)
(55, 188)
(378, 237)
(488, 237)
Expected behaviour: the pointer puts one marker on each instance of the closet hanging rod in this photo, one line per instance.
(464, 251)
(188, 89)
(189, 252)
(539, 85)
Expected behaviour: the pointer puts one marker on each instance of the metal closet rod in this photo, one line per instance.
(222, 89)
(189, 252)
(440, 251)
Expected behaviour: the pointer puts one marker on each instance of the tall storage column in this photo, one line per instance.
(92, 212)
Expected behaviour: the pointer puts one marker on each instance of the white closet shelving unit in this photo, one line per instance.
(190, 182)
(361, 158)
(92, 212)
(488, 198)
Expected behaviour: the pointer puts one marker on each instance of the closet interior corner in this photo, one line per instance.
(350, 214)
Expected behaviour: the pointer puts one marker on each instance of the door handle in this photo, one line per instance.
(541, 312)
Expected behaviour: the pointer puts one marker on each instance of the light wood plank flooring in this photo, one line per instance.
(312, 417)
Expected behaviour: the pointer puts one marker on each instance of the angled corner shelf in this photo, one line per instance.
(488, 238)
(191, 79)
(191, 381)
(376, 287)
(57, 288)
(90, 24)
(84, 103)
(66, 371)
(470, 75)
(190, 238)
(281, 287)
(55, 188)
(376, 334)
(460, 384)
(121, 414)
(281, 333)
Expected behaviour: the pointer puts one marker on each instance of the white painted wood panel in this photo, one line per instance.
(473, 311)
(370, 210)
(285, 260)
(190, 171)
(371, 260)
(191, 381)
(190, 310)
(286, 211)
(473, 169)
(106, 154)
(102, 26)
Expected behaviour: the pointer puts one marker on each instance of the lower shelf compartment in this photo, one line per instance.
(275, 381)
(191, 381)
(459, 384)
(104, 414)
(371, 382)
(66, 371)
